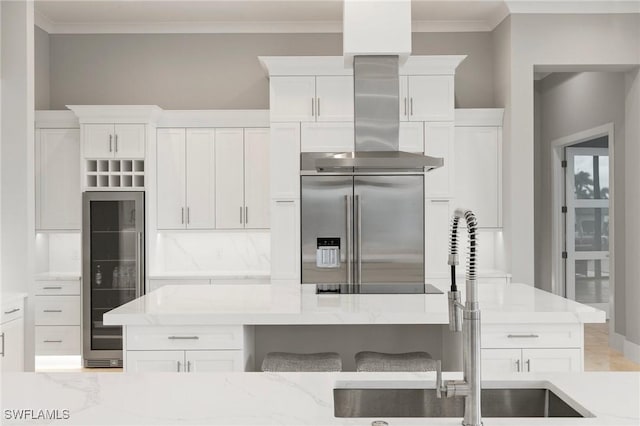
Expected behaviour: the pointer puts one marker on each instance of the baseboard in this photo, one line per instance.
(616, 341)
(632, 351)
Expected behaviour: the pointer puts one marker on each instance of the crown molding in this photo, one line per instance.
(43, 22)
(214, 118)
(573, 6)
(116, 113)
(56, 119)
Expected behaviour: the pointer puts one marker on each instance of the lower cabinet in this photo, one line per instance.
(12, 349)
(57, 318)
(531, 360)
(185, 361)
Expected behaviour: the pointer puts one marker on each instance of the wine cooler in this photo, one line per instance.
(112, 269)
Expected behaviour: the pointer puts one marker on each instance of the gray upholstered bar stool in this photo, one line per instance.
(287, 361)
(409, 361)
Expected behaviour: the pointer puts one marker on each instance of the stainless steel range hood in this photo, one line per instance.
(377, 123)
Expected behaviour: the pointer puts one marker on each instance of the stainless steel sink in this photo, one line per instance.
(512, 402)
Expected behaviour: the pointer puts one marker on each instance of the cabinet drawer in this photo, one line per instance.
(58, 288)
(58, 340)
(184, 337)
(57, 310)
(12, 311)
(532, 336)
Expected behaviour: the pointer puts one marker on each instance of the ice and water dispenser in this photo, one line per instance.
(328, 252)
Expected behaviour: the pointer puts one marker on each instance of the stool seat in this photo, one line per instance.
(287, 361)
(409, 361)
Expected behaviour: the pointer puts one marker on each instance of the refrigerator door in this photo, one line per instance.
(112, 270)
(327, 234)
(389, 233)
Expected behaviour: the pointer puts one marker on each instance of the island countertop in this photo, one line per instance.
(286, 304)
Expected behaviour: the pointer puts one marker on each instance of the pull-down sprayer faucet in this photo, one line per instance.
(465, 318)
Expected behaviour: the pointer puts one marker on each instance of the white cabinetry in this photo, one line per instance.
(439, 142)
(58, 167)
(113, 140)
(155, 361)
(411, 137)
(285, 239)
(311, 98)
(12, 336)
(171, 178)
(57, 317)
(327, 137)
(256, 178)
(285, 161)
(427, 98)
(230, 177)
(200, 178)
(437, 218)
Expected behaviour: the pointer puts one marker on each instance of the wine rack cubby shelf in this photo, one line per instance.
(121, 174)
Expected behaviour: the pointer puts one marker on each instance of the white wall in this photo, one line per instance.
(41, 62)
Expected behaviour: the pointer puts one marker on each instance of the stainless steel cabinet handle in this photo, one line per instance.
(405, 107)
(116, 142)
(139, 266)
(318, 106)
(517, 365)
(53, 310)
(188, 366)
(188, 215)
(2, 337)
(313, 103)
(240, 214)
(359, 239)
(179, 363)
(52, 341)
(528, 362)
(349, 213)
(51, 288)
(246, 215)
(12, 311)
(412, 106)
(182, 215)
(284, 201)
(183, 337)
(522, 336)
(110, 143)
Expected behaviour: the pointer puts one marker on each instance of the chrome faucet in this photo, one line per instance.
(465, 318)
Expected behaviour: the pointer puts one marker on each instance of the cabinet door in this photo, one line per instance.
(437, 217)
(292, 98)
(129, 140)
(478, 166)
(256, 178)
(285, 240)
(214, 361)
(155, 361)
(411, 137)
(98, 140)
(327, 137)
(229, 178)
(171, 178)
(285, 160)
(58, 167)
(439, 142)
(552, 360)
(497, 361)
(404, 98)
(431, 98)
(201, 179)
(12, 358)
(334, 98)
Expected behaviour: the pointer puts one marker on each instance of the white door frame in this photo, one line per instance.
(558, 270)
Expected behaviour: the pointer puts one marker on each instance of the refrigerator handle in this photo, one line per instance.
(358, 223)
(349, 212)
(139, 262)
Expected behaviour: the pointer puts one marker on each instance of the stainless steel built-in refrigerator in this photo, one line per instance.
(364, 233)
(112, 269)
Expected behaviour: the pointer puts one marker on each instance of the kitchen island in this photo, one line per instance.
(231, 328)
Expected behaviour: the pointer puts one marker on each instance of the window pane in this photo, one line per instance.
(591, 177)
(592, 229)
(592, 281)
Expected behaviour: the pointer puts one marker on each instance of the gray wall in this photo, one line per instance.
(568, 103)
(220, 71)
(41, 63)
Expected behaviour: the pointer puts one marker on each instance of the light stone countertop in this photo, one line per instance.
(281, 304)
(286, 398)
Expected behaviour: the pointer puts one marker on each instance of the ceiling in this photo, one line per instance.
(149, 16)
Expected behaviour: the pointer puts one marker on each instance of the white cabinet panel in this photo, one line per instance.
(200, 175)
(57, 288)
(292, 98)
(403, 106)
(334, 98)
(12, 342)
(155, 361)
(552, 360)
(58, 340)
(327, 137)
(439, 142)
(184, 337)
(57, 310)
(214, 361)
(97, 140)
(532, 335)
(411, 137)
(437, 216)
(431, 98)
(478, 165)
(58, 166)
(256, 178)
(495, 361)
(285, 160)
(129, 140)
(229, 178)
(171, 178)
(285, 239)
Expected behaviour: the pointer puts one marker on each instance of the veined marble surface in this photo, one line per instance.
(280, 304)
(284, 398)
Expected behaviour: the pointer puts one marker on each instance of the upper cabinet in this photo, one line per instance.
(426, 98)
(58, 166)
(311, 98)
(113, 140)
(256, 178)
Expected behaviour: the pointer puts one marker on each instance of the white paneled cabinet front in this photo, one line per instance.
(214, 361)
(439, 142)
(171, 180)
(411, 137)
(230, 178)
(501, 360)
(540, 360)
(285, 239)
(431, 98)
(256, 178)
(97, 140)
(113, 140)
(201, 179)
(285, 154)
(58, 166)
(334, 98)
(12, 334)
(155, 361)
(327, 137)
(437, 217)
(129, 140)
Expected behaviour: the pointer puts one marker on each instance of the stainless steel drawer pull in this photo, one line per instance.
(188, 366)
(110, 143)
(52, 288)
(183, 337)
(240, 214)
(2, 336)
(12, 311)
(116, 142)
(517, 365)
(179, 363)
(53, 310)
(53, 341)
(522, 336)
(528, 362)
